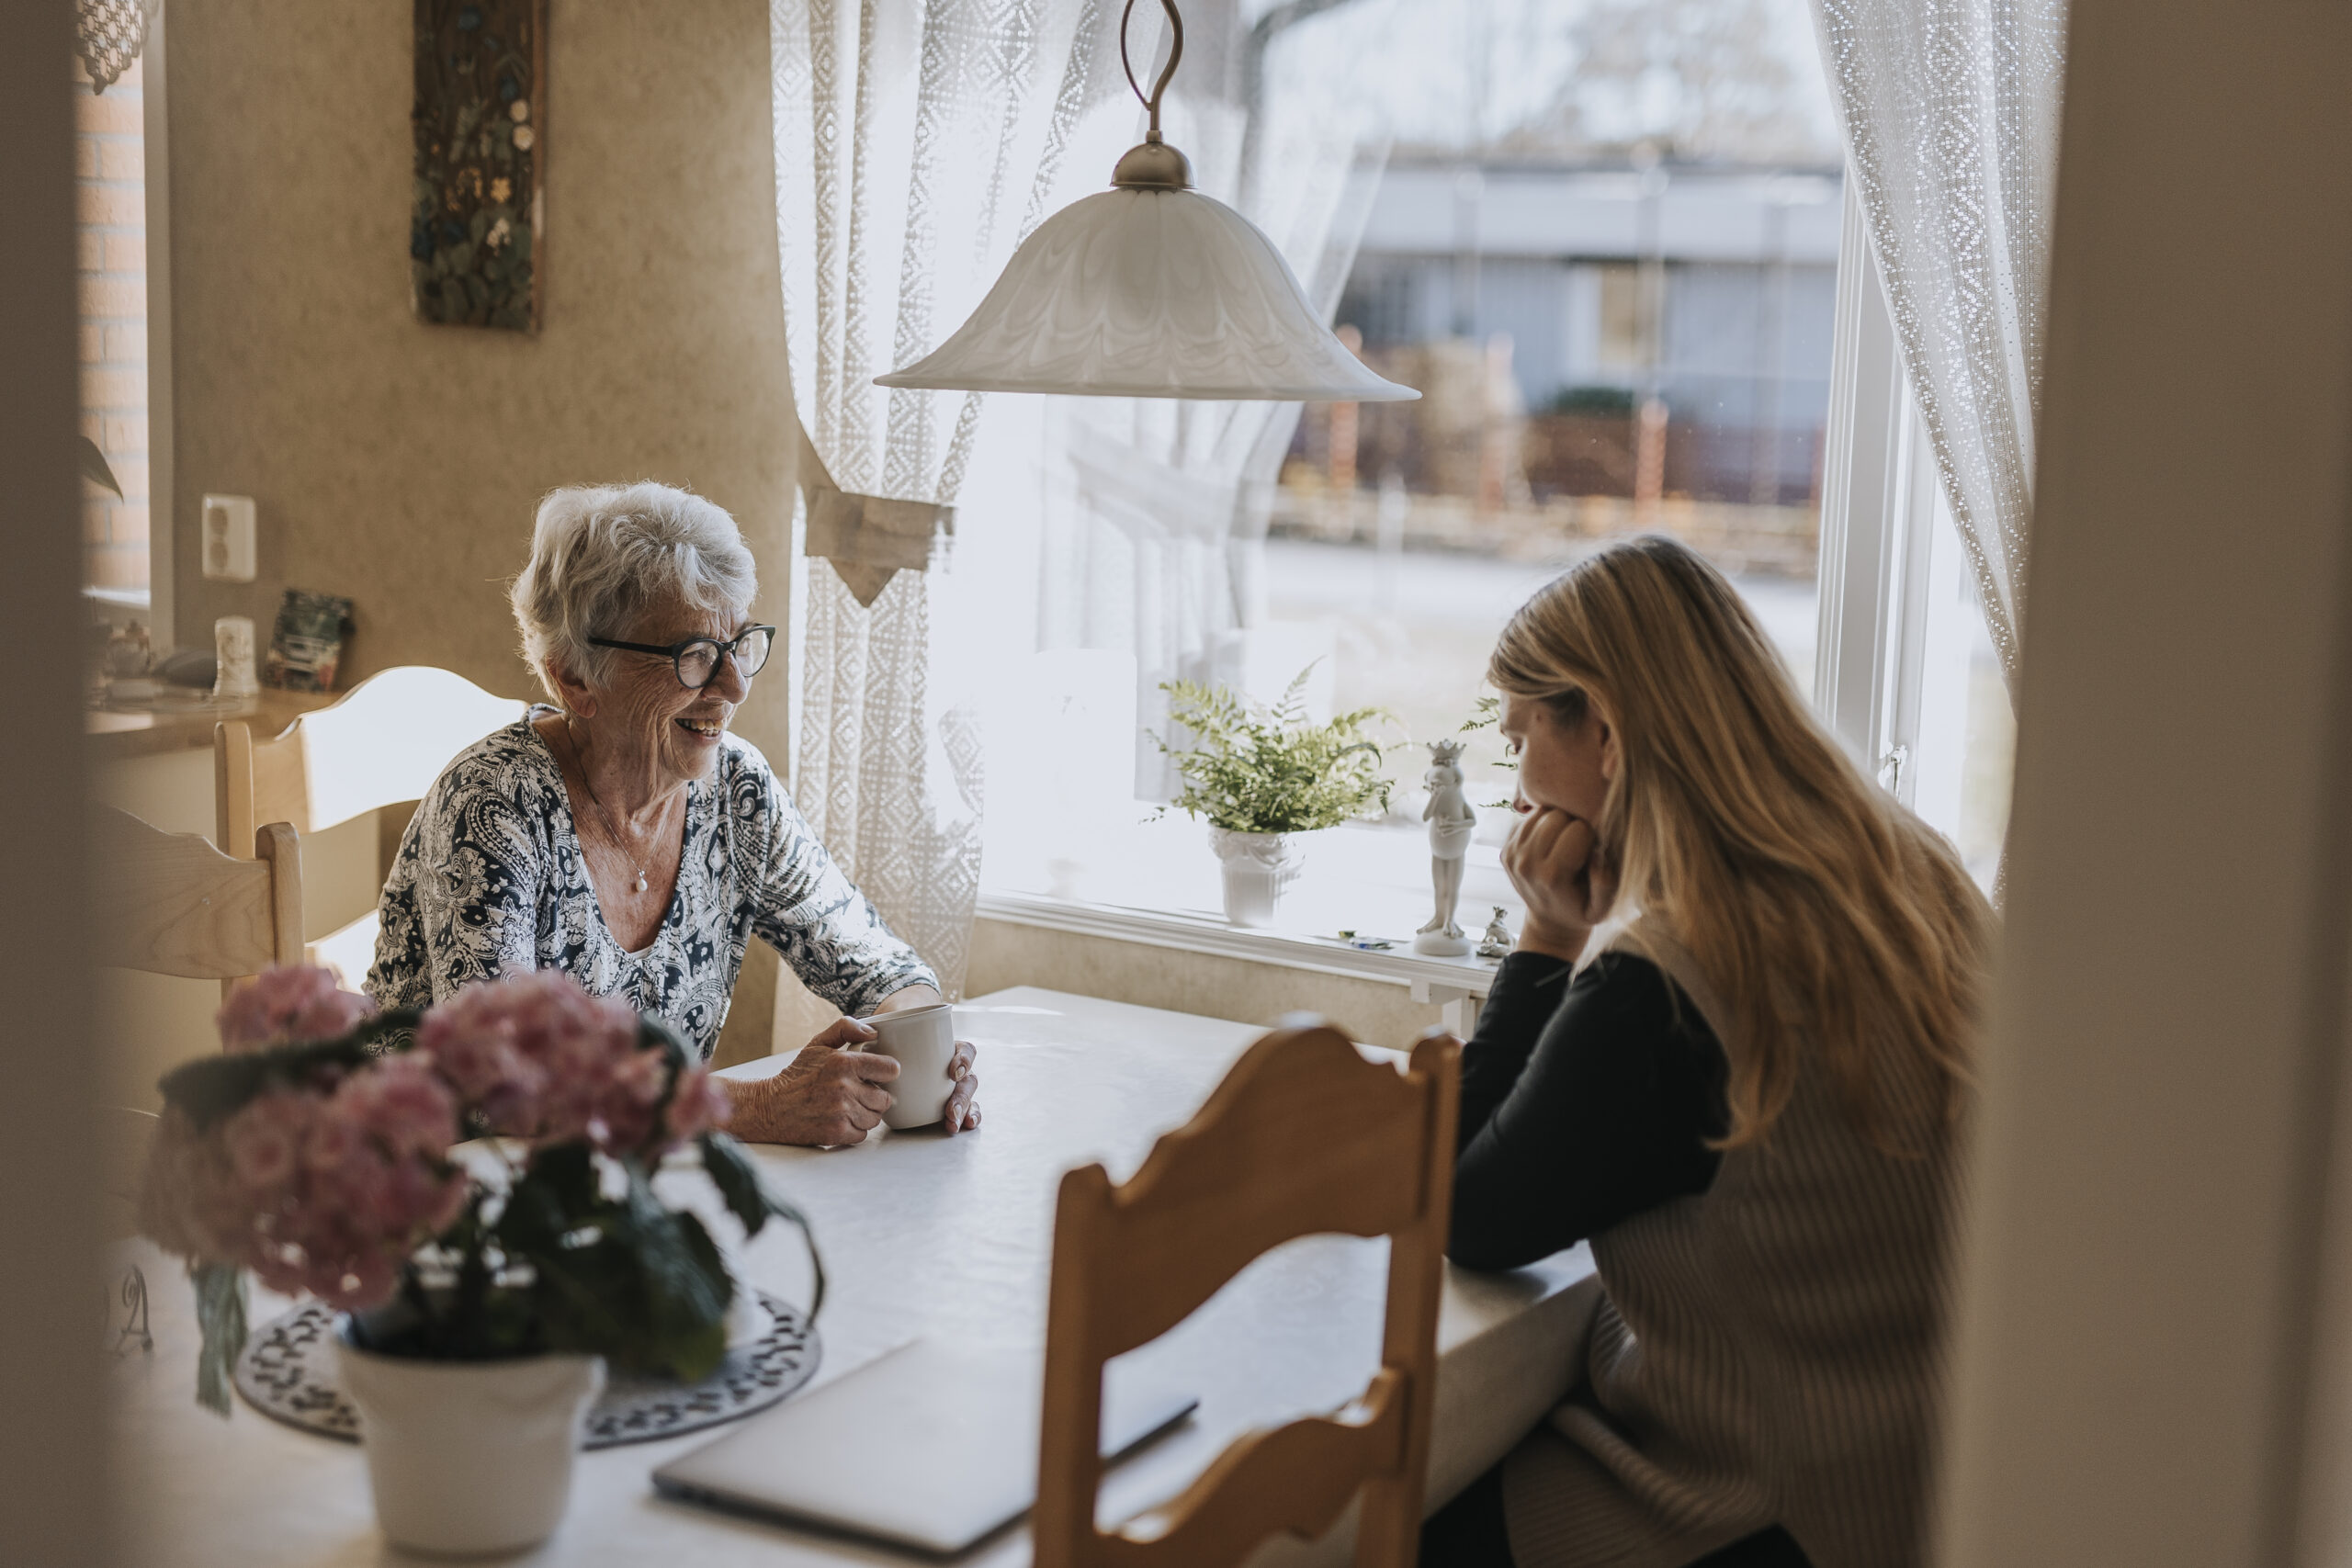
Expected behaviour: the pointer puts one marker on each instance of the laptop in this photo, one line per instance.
(929, 1446)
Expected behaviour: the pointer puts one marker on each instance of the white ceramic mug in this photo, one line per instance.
(922, 1042)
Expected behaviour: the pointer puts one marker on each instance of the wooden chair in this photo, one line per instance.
(382, 743)
(1130, 1262)
(171, 904)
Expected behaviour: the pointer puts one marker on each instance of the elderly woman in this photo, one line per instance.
(624, 837)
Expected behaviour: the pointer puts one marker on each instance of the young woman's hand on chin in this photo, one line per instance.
(1554, 861)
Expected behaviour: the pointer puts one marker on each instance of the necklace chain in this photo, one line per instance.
(620, 844)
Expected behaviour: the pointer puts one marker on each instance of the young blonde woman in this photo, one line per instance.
(1731, 1052)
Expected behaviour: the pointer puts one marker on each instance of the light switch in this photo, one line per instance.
(228, 538)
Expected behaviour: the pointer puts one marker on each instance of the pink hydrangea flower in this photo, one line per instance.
(327, 1187)
(544, 1061)
(292, 1004)
(374, 1185)
(330, 1185)
(266, 1139)
(191, 1202)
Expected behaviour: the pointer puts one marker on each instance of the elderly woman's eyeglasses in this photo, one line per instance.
(696, 659)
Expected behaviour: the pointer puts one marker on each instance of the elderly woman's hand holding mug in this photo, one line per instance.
(835, 1090)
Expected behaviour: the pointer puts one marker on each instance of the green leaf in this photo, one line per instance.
(688, 1291)
(210, 1088)
(658, 1034)
(680, 1290)
(737, 1180)
(646, 1289)
(749, 1199)
(220, 1316)
(583, 1298)
(569, 1172)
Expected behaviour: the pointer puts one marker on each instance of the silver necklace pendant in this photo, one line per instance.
(641, 882)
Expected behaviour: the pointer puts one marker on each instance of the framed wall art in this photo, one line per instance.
(474, 244)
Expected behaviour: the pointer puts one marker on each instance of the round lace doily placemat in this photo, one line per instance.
(288, 1373)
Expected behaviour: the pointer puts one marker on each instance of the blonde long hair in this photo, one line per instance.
(1833, 923)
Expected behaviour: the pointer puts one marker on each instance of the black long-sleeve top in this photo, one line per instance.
(1584, 1102)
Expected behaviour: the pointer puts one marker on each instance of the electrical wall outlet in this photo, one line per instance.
(228, 537)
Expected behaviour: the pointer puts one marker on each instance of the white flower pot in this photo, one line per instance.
(1258, 869)
(470, 1457)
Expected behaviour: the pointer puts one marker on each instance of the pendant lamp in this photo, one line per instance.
(1150, 289)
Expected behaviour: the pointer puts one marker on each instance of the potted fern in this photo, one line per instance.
(1261, 776)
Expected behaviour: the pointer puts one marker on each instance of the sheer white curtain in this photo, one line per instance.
(917, 142)
(1951, 111)
(1156, 550)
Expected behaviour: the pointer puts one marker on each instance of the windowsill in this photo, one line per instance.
(1431, 979)
(1156, 883)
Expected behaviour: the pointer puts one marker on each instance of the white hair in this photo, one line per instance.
(601, 554)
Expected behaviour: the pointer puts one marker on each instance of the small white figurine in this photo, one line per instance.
(1499, 938)
(233, 657)
(1451, 821)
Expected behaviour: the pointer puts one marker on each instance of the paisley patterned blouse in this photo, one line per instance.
(489, 882)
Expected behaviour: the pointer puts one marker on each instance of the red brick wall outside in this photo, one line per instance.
(110, 191)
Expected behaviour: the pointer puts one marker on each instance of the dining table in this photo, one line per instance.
(924, 1234)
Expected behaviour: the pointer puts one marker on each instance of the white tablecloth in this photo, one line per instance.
(922, 1235)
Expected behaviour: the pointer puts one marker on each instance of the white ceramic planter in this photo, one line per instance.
(469, 1458)
(1258, 869)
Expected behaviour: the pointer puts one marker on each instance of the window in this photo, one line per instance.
(1609, 241)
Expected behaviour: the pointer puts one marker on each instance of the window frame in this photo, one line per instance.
(1879, 545)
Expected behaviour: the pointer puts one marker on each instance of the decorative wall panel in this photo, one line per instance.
(474, 254)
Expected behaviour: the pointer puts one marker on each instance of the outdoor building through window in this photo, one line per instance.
(1605, 248)
(1602, 238)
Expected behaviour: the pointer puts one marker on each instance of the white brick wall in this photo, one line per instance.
(111, 230)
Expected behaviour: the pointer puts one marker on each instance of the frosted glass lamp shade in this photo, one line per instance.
(1149, 293)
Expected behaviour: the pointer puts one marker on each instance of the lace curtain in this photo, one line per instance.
(1951, 111)
(917, 142)
(109, 35)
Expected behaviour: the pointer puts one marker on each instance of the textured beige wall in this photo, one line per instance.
(1005, 953)
(399, 463)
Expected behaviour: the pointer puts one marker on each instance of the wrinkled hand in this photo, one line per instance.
(833, 1093)
(830, 1093)
(962, 1113)
(1554, 861)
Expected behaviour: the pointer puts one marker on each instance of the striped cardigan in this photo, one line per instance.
(1766, 1352)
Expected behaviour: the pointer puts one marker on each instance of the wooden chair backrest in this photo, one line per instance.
(382, 743)
(171, 904)
(1303, 1136)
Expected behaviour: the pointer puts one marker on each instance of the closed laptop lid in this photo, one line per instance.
(931, 1446)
